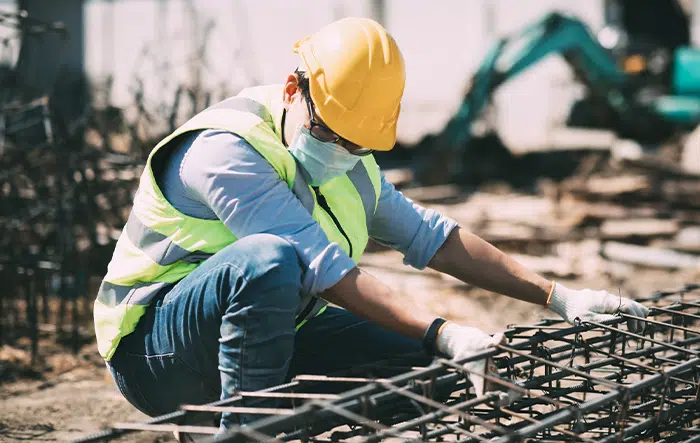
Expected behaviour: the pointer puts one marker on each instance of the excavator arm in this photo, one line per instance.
(510, 56)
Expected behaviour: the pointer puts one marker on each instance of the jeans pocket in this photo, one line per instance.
(159, 384)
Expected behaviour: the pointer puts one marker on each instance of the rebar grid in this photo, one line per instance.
(590, 382)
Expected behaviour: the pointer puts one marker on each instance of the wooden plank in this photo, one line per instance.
(614, 186)
(499, 231)
(580, 138)
(689, 189)
(641, 227)
(690, 157)
(604, 210)
(660, 166)
(575, 211)
(650, 256)
(513, 208)
(688, 239)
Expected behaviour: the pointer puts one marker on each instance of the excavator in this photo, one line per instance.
(619, 97)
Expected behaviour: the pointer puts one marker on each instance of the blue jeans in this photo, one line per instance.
(230, 326)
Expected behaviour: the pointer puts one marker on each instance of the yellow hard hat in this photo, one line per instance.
(356, 80)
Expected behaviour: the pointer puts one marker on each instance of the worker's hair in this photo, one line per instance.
(303, 81)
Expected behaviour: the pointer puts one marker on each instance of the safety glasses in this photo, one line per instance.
(323, 133)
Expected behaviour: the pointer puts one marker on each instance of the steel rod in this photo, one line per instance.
(571, 412)
(660, 323)
(589, 382)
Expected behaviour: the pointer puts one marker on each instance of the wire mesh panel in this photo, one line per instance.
(589, 382)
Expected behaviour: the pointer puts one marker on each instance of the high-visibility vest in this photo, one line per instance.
(160, 245)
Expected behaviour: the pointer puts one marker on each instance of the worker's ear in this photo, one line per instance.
(291, 89)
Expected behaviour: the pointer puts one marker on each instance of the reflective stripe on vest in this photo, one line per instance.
(360, 179)
(302, 192)
(139, 294)
(157, 246)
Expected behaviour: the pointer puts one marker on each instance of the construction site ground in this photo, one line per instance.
(627, 230)
(68, 395)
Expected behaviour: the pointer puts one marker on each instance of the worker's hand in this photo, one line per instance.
(460, 342)
(595, 306)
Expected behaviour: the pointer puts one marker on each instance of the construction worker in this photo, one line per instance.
(253, 215)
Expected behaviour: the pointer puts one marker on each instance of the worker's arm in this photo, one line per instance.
(427, 238)
(415, 231)
(367, 297)
(472, 260)
(364, 295)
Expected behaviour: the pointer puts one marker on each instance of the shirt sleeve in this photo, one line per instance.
(227, 174)
(408, 227)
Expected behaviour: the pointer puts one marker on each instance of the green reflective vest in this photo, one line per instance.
(159, 245)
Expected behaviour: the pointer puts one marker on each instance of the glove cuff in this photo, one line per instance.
(445, 340)
(549, 296)
(431, 335)
(559, 302)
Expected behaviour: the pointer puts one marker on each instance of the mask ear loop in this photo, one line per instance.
(284, 118)
(282, 126)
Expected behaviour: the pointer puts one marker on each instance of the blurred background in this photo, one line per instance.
(564, 132)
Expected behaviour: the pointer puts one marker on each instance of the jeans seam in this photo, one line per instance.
(144, 402)
(164, 355)
(245, 328)
(243, 353)
(120, 383)
(203, 378)
(188, 366)
(133, 394)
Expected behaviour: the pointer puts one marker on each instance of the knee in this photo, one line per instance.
(270, 271)
(270, 255)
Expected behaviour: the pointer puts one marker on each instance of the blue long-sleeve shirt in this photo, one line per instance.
(216, 174)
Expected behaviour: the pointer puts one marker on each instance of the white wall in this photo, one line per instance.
(9, 53)
(442, 41)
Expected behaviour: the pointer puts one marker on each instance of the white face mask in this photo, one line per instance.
(322, 161)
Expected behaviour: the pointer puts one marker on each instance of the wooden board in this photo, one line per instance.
(640, 227)
(650, 256)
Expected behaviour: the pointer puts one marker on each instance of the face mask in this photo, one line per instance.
(322, 161)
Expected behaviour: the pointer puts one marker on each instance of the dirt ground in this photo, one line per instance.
(71, 396)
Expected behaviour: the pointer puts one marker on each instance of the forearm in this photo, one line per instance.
(472, 260)
(364, 295)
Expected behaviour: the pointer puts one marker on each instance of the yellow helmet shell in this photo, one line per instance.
(356, 80)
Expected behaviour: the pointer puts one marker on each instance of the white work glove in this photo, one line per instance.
(460, 342)
(595, 306)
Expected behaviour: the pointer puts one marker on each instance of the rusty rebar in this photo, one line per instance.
(590, 382)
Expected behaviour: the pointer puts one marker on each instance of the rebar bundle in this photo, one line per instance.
(588, 382)
(61, 197)
(69, 168)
